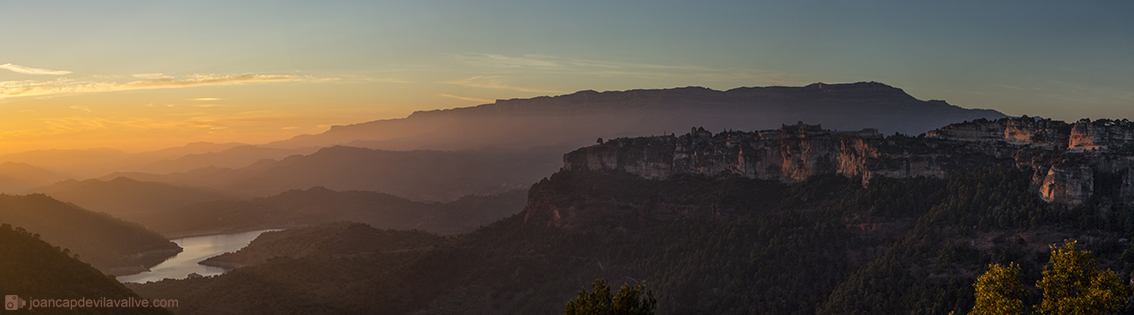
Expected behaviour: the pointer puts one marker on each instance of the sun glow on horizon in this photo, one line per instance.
(136, 77)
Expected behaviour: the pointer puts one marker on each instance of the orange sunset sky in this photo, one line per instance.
(136, 76)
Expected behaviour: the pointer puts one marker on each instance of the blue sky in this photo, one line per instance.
(255, 71)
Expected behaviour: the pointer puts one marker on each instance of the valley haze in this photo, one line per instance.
(446, 207)
(541, 157)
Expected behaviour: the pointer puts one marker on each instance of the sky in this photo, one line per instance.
(144, 75)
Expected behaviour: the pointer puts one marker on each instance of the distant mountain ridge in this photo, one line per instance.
(578, 118)
(319, 205)
(19, 177)
(128, 198)
(419, 175)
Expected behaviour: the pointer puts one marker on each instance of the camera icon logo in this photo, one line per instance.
(12, 302)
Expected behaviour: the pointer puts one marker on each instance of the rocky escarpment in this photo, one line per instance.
(1066, 158)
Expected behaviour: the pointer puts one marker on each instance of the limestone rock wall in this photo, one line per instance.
(1064, 157)
(1103, 134)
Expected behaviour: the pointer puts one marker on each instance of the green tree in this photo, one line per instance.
(999, 291)
(630, 300)
(1071, 285)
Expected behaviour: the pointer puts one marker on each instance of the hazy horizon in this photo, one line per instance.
(896, 185)
(138, 77)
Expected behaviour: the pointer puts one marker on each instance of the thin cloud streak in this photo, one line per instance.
(30, 70)
(559, 66)
(495, 82)
(193, 123)
(465, 98)
(151, 76)
(62, 86)
(552, 63)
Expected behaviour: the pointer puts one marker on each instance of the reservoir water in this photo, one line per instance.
(195, 249)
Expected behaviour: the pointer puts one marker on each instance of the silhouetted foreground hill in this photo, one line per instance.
(320, 205)
(418, 175)
(127, 198)
(110, 244)
(579, 118)
(33, 269)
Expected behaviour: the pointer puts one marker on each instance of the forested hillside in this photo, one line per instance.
(32, 268)
(727, 245)
(318, 205)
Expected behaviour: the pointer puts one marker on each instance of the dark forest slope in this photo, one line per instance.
(34, 269)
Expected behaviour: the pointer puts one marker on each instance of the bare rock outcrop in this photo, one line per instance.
(1065, 157)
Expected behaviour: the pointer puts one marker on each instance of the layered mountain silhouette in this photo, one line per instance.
(107, 243)
(579, 118)
(128, 198)
(494, 148)
(233, 157)
(19, 177)
(72, 163)
(319, 205)
(86, 163)
(419, 175)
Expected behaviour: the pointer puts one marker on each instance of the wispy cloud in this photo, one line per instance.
(211, 80)
(483, 100)
(385, 80)
(30, 70)
(63, 85)
(553, 63)
(527, 61)
(205, 99)
(152, 76)
(541, 65)
(194, 122)
(495, 82)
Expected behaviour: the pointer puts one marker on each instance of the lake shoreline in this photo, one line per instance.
(196, 233)
(195, 250)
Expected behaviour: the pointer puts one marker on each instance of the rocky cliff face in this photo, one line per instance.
(1065, 157)
(1045, 133)
(1101, 134)
(791, 153)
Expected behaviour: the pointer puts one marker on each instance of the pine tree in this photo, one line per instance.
(630, 300)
